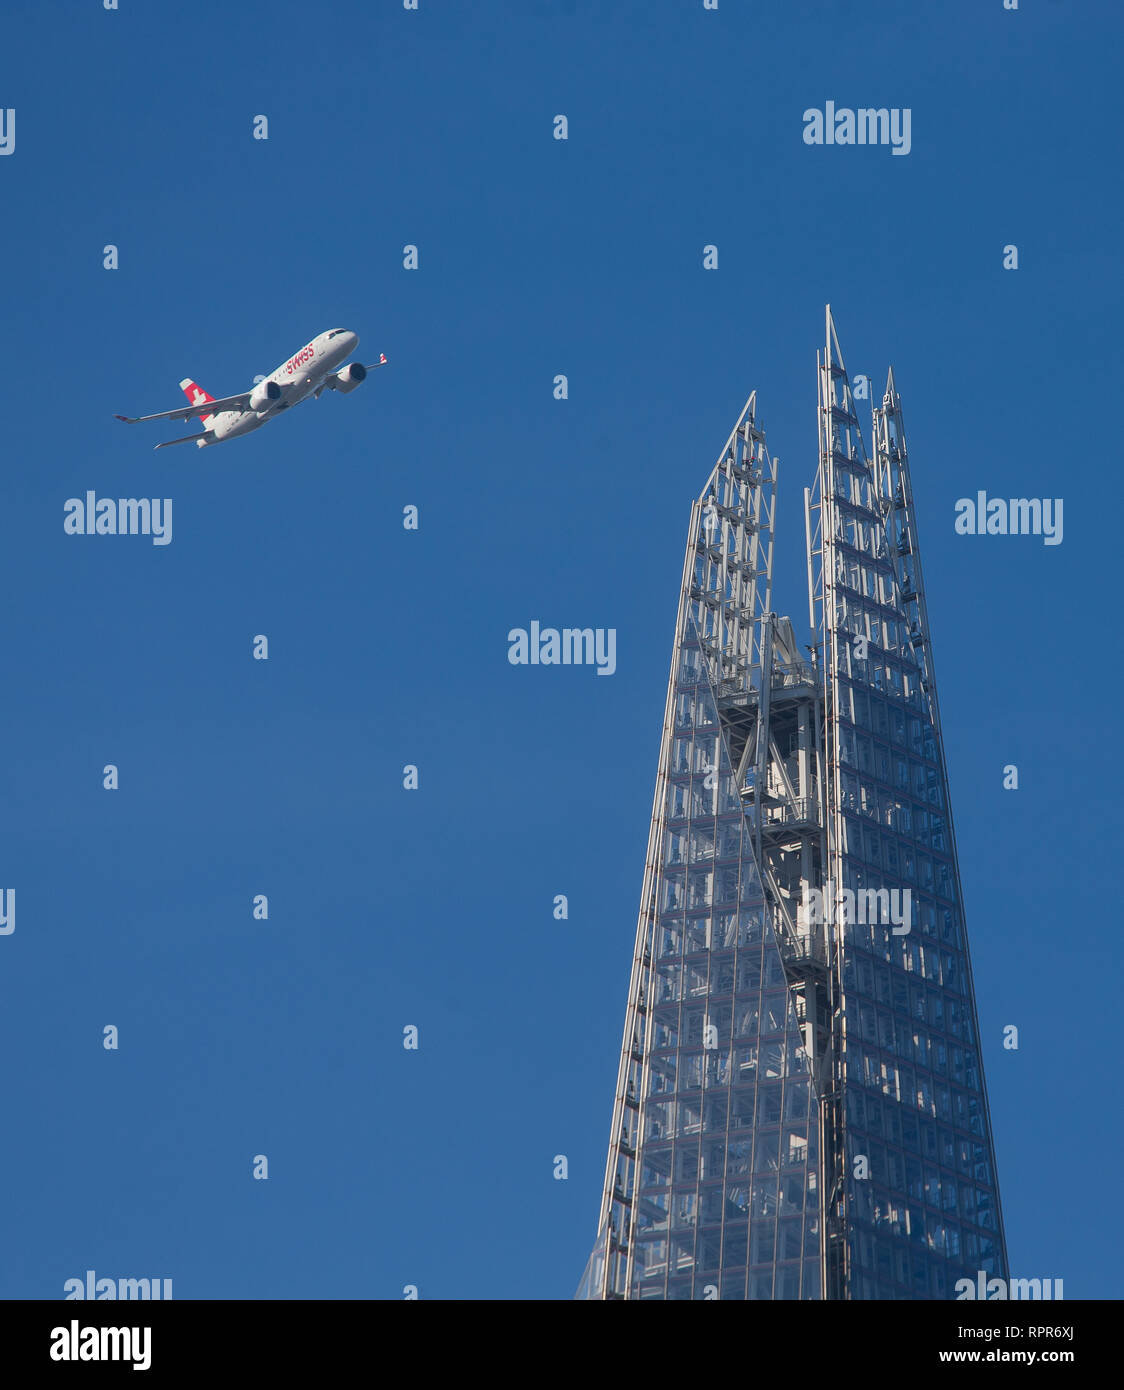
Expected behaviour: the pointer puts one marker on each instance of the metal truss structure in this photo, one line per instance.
(800, 1107)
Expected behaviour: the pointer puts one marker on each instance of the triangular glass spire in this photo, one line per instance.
(711, 1183)
(800, 1107)
(913, 1106)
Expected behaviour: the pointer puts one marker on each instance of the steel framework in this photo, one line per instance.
(800, 1109)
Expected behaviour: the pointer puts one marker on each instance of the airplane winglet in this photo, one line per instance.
(128, 419)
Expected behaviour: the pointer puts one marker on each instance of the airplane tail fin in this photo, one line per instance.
(197, 396)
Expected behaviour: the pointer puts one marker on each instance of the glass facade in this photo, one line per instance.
(916, 1115)
(800, 1109)
(725, 1202)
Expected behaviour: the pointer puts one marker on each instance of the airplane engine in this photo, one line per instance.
(265, 395)
(350, 377)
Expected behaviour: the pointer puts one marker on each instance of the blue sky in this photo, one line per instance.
(434, 907)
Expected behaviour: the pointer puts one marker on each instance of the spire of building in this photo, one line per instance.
(800, 1110)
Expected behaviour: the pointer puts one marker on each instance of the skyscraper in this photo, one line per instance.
(800, 1109)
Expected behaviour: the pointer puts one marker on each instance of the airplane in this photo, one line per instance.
(315, 368)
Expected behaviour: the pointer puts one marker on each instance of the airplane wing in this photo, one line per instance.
(329, 382)
(239, 402)
(187, 439)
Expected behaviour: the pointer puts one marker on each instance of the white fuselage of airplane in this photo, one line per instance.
(300, 377)
(314, 368)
